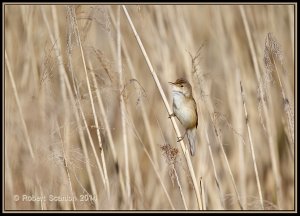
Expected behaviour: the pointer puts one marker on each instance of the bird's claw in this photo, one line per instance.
(179, 139)
(171, 115)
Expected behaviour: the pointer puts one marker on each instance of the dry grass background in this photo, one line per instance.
(84, 118)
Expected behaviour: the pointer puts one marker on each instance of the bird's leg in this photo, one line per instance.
(181, 138)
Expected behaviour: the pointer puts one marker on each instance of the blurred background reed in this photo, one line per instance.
(84, 118)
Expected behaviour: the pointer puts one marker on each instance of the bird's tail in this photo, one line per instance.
(191, 135)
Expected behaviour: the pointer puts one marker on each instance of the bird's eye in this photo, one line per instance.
(181, 86)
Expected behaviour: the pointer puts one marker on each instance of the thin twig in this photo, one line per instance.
(251, 146)
(180, 187)
(122, 103)
(221, 194)
(29, 144)
(109, 135)
(66, 165)
(103, 171)
(202, 193)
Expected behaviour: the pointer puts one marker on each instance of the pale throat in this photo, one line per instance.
(178, 98)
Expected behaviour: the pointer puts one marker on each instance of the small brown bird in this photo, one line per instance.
(185, 109)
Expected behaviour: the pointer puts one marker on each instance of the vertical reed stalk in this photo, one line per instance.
(134, 76)
(73, 101)
(274, 156)
(66, 165)
(251, 146)
(124, 131)
(29, 144)
(184, 149)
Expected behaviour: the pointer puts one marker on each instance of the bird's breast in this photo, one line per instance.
(184, 110)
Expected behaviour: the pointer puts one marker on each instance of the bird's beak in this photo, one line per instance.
(171, 83)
